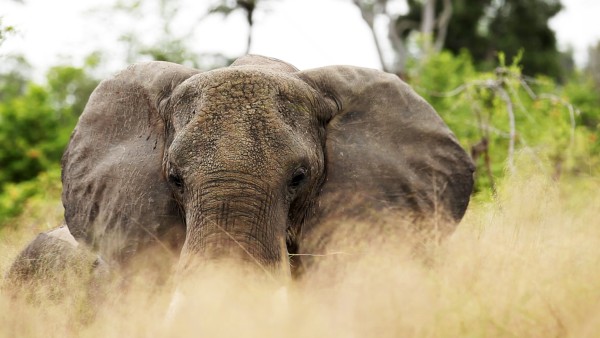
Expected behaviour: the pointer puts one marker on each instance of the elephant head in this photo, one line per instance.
(247, 161)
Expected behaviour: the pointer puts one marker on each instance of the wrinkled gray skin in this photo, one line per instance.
(248, 162)
(53, 257)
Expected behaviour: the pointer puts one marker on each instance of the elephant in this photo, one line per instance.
(48, 264)
(248, 163)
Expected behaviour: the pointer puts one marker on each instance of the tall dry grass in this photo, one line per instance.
(525, 265)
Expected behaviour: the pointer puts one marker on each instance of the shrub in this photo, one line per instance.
(499, 114)
(36, 121)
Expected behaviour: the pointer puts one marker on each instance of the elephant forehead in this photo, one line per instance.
(236, 85)
(241, 119)
(239, 93)
(239, 139)
(245, 138)
(251, 84)
(242, 105)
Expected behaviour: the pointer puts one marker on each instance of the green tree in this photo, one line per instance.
(36, 121)
(593, 66)
(431, 26)
(467, 29)
(14, 77)
(35, 125)
(70, 88)
(487, 27)
(502, 115)
(523, 24)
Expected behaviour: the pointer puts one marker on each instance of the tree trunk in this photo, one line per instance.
(369, 11)
(401, 52)
(442, 26)
(427, 24)
(250, 20)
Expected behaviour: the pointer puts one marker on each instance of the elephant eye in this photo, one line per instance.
(175, 180)
(298, 178)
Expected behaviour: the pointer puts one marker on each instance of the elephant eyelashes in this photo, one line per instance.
(175, 180)
(297, 179)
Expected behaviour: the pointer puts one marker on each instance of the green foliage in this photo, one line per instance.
(486, 27)
(29, 133)
(502, 114)
(508, 33)
(15, 77)
(581, 93)
(37, 191)
(593, 66)
(4, 31)
(36, 122)
(466, 29)
(69, 88)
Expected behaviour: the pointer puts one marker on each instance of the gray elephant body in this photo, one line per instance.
(248, 162)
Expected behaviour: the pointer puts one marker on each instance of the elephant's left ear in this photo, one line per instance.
(387, 148)
(115, 193)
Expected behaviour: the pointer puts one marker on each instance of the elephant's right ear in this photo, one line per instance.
(387, 148)
(114, 192)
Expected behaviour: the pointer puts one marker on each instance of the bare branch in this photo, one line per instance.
(528, 89)
(572, 112)
(508, 92)
(368, 14)
(397, 42)
(480, 83)
(442, 26)
(370, 11)
(428, 18)
(554, 98)
(511, 125)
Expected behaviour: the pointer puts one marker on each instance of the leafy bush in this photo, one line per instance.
(36, 192)
(502, 113)
(36, 122)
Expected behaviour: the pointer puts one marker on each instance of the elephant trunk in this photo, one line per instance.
(241, 225)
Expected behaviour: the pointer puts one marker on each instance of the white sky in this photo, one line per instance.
(67, 30)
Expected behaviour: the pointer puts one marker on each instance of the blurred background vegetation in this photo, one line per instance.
(501, 85)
